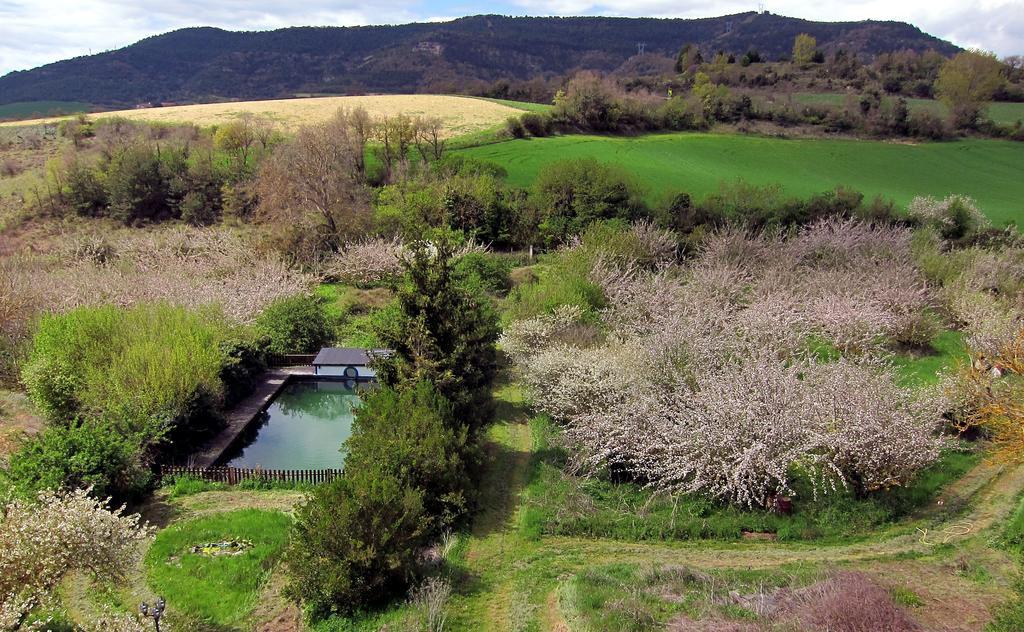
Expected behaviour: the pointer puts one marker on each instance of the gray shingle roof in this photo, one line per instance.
(347, 356)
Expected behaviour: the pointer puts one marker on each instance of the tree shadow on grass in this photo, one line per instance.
(505, 472)
(157, 511)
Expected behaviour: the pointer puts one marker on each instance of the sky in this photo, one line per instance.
(37, 32)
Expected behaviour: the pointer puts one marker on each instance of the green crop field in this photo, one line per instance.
(41, 108)
(990, 171)
(1000, 112)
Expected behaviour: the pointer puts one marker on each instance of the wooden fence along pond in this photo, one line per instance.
(235, 475)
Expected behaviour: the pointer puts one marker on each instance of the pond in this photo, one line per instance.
(302, 428)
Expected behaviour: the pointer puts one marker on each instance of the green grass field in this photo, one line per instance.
(1000, 112)
(220, 590)
(947, 349)
(990, 171)
(33, 109)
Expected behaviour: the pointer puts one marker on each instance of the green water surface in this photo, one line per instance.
(302, 428)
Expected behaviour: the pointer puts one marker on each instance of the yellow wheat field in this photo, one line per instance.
(461, 115)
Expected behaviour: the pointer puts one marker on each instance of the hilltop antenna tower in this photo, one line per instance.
(760, 8)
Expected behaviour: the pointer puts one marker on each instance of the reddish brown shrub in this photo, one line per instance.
(845, 602)
(10, 167)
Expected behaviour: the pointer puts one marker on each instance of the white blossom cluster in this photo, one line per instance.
(854, 283)
(705, 383)
(185, 266)
(377, 260)
(939, 213)
(987, 300)
(367, 262)
(41, 542)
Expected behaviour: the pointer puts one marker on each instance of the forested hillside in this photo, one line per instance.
(206, 63)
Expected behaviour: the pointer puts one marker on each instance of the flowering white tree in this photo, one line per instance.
(42, 541)
(948, 214)
(367, 262)
(191, 267)
(706, 384)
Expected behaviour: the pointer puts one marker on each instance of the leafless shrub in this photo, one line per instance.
(10, 167)
(659, 246)
(429, 601)
(20, 301)
(846, 602)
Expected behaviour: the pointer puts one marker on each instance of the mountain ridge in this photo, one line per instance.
(209, 63)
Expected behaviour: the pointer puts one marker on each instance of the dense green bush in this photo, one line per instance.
(245, 359)
(761, 207)
(149, 172)
(922, 123)
(354, 543)
(680, 114)
(536, 124)
(572, 194)
(514, 127)
(490, 272)
(92, 453)
(85, 191)
(148, 364)
(297, 324)
(592, 103)
(137, 187)
(471, 199)
(362, 330)
(413, 432)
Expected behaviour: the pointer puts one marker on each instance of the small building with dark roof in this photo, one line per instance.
(348, 362)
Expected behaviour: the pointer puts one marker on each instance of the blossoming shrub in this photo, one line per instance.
(706, 385)
(367, 262)
(955, 217)
(43, 541)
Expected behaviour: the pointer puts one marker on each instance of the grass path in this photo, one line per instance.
(512, 583)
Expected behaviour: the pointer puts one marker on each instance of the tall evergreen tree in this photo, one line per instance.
(445, 334)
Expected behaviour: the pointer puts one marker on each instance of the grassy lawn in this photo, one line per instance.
(926, 369)
(1001, 112)
(223, 589)
(991, 171)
